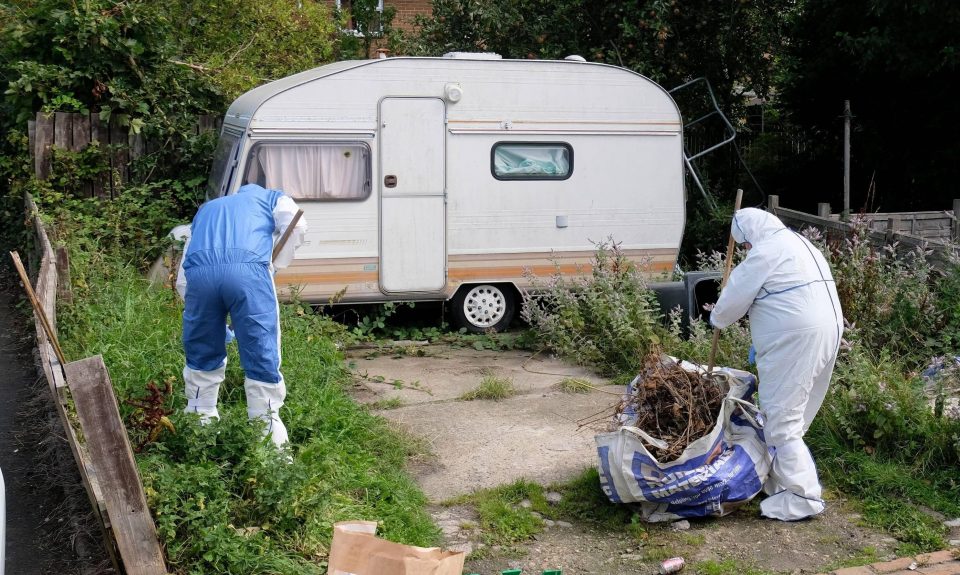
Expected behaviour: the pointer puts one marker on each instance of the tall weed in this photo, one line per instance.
(223, 499)
(607, 319)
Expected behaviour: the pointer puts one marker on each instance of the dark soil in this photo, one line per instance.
(49, 523)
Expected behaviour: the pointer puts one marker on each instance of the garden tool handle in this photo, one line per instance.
(286, 235)
(728, 263)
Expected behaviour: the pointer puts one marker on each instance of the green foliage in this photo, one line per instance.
(667, 41)
(873, 406)
(574, 385)
(493, 388)
(238, 45)
(893, 301)
(503, 520)
(608, 319)
(224, 500)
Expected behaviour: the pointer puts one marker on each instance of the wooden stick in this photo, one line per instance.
(723, 283)
(286, 235)
(37, 308)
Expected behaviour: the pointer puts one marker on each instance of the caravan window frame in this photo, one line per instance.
(223, 165)
(530, 177)
(368, 172)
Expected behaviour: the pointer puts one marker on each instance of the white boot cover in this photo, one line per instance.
(264, 401)
(201, 389)
(795, 474)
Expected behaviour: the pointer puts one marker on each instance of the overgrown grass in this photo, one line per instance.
(574, 385)
(493, 388)
(502, 519)
(224, 500)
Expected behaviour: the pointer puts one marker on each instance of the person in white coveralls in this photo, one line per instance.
(227, 269)
(796, 323)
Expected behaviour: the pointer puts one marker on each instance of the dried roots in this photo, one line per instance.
(672, 404)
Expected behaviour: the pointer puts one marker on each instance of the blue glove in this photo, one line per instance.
(230, 335)
(752, 356)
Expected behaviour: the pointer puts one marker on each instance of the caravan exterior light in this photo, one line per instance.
(453, 93)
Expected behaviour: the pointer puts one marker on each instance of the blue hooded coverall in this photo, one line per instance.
(227, 270)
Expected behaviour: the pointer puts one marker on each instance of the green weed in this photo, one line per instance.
(384, 404)
(493, 388)
(574, 385)
(502, 520)
(727, 567)
(223, 499)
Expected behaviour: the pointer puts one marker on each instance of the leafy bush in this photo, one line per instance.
(608, 319)
(890, 299)
(223, 499)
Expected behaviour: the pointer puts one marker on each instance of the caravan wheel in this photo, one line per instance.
(480, 308)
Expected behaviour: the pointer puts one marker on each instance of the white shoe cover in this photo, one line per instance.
(201, 389)
(264, 401)
(795, 475)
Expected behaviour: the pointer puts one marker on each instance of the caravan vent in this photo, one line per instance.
(473, 56)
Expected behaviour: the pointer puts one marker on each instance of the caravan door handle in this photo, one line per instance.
(390, 181)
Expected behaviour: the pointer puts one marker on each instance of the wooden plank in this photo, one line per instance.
(81, 132)
(81, 139)
(44, 141)
(110, 452)
(205, 123)
(136, 143)
(32, 137)
(64, 285)
(956, 220)
(119, 156)
(63, 130)
(100, 187)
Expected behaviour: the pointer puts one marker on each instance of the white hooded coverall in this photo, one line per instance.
(786, 286)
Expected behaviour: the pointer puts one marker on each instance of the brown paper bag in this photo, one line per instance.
(356, 550)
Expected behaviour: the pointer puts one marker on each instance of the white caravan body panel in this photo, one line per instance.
(447, 219)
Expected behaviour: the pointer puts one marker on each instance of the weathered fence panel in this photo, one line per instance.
(128, 530)
(74, 132)
(900, 229)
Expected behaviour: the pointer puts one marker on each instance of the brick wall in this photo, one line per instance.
(407, 10)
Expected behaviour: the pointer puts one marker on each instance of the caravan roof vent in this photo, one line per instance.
(575, 58)
(473, 56)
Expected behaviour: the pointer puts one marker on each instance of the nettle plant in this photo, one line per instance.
(608, 319)
(891, 300)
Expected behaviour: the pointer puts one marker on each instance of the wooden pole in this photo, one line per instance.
(286, 235)
(846, 160)
(723, 283)
(37, 308)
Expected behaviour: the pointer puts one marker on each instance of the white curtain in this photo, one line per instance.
(321, 171)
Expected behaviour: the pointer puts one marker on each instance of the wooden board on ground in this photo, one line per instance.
(109, 447)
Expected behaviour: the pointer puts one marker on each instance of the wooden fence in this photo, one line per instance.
(938, 232)
(74, 132)
(103, 455)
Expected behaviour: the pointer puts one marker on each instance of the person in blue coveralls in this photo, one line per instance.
(226, 268)
(796, 324)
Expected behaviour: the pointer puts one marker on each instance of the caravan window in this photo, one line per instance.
(223, 164)
(531, 161)
(332, 171)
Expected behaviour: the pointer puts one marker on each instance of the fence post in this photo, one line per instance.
(893, 226)
(44, 141)
(955, 236)
(773, 203)
(64, 285)
(823, 209)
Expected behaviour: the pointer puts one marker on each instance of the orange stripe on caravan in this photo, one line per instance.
(454, 274)
(543, 270)
(326, 278)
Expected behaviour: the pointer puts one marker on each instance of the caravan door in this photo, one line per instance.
(413, 239)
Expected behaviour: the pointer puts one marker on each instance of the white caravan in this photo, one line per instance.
(449, 178)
